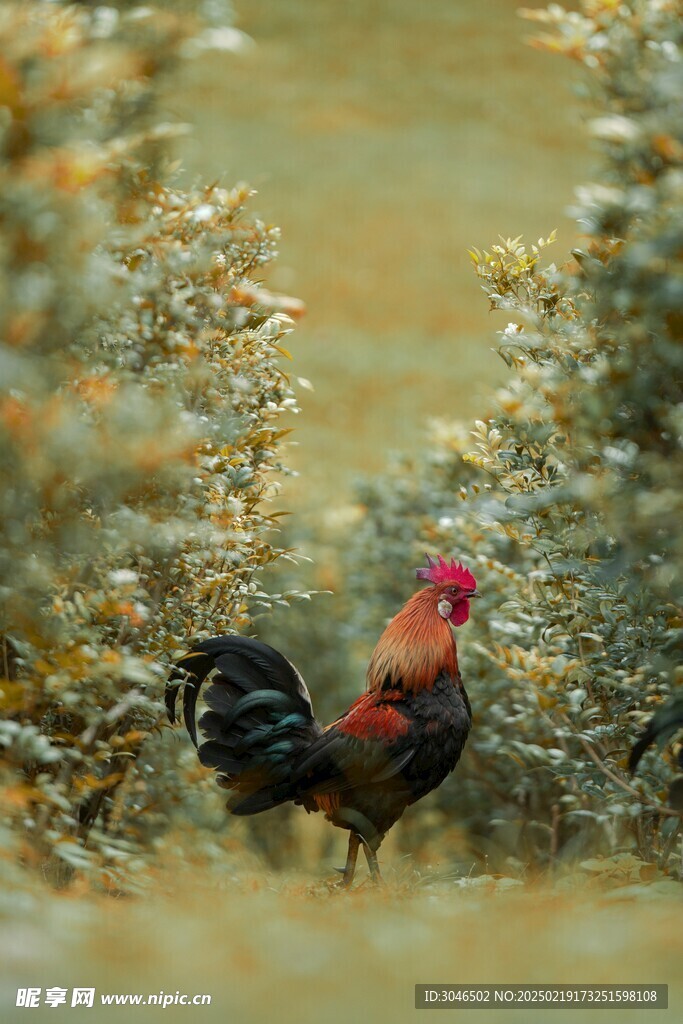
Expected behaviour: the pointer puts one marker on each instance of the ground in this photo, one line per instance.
(266, 948)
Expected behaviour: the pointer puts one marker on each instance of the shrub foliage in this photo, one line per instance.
(140, 398)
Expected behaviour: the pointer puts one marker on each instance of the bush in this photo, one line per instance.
(140, 399)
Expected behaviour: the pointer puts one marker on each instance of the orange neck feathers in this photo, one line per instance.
(415, 648)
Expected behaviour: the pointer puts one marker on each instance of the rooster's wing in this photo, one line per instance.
(372, 742)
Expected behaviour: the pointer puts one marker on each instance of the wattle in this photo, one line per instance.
(461, 612)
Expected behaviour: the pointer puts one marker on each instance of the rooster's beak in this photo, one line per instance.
(474, 593)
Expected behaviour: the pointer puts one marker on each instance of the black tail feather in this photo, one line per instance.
(259, 717)
(214, 755)
(201, 665)
(192, 669)
(260, 800)
(662, 726)
(260, 699)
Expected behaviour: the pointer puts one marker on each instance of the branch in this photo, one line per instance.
(622, 783)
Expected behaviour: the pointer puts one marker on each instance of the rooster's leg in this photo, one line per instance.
(371, 858)
(351, 858)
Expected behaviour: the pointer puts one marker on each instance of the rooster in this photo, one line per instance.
(394, 745)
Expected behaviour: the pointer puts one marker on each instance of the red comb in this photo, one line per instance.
(442, 572)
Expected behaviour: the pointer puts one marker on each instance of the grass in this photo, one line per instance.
(287, 949)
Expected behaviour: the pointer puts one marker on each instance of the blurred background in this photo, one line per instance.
(385, 138)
